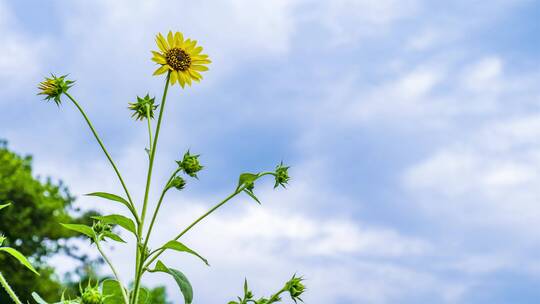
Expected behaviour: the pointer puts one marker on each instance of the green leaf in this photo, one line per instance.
(117, 219)
(112, 291)
(143, 296)
(113, 236)
(113, 197)
(175, 245)
(180, 278)
(4, 206)
(86, 230)
(38, 299)
(19, 256)
(246, 178)
(252, 195)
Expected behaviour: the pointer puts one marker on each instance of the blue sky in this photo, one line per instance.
(412, 128)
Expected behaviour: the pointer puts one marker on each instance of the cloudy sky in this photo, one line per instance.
(412, 128)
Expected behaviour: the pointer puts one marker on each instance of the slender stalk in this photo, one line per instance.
(228, 198)
(8, 289)
(149, 126)
(153, 153)
(141, 251)
(156, 211)
(106, 153)
(124, 294)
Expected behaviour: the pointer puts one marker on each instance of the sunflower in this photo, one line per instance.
(181, 57)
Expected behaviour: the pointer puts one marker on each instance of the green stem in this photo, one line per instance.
(8, 289)
(141, 251)
(153, 154)
(156, 211)
(149, 125)
(106, 154)
(124, 294)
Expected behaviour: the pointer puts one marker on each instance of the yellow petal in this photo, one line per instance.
(174, 77)
(197, 50)
(200, 61)
(170, 39)
(161, 43)
(187, 77)
(181, 79)
(199, 67)
(162, 69)
(159, 59)
(178, 39)
(191, 45)
(196, 76)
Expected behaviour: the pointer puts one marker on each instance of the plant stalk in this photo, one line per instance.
(124, 294)
(106, 153)
(142, 251)
(8, 289)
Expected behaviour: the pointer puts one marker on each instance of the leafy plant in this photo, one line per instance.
(30, 225)
(17, 255)
(182, 62)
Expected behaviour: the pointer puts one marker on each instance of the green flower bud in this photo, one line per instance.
(143, 107)
(91, 295)
(178, 183)
(295, 288)
(281, 175)
(99, 227)
(190, 164)
(54, 87)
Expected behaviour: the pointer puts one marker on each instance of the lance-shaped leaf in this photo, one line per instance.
(176, 245)
(40, 300)
(180, 278)
(86, 230)
(113, 197)
(252, 195)
(117, 219)
(4, 206)
(112, 292)
(19, 256)
(113, 236)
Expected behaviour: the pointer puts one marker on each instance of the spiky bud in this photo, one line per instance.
(91, 295)
(143, 107)
(190, 164)
(53, 87)
(295, 288)
(2, 239)
(281, 175)
(178, 183)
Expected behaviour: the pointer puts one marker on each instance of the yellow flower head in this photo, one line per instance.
(182, 57)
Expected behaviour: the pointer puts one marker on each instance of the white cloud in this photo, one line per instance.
(21, 55)
(489, 177)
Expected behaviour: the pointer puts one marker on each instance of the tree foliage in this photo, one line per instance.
(31, 225)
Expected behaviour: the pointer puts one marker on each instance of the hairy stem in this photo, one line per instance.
(106, 153)
(124, 294)
(8, 289)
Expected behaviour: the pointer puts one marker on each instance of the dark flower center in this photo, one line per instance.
(178, 59)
